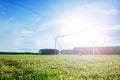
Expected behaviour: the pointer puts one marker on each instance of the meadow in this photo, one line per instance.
(59, 67)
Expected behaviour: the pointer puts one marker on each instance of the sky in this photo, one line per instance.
(30, 25)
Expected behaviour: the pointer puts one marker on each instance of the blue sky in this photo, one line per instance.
(29, 25)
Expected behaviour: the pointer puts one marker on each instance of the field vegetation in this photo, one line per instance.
(59, 67)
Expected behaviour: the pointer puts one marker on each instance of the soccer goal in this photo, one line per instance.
(79, 43)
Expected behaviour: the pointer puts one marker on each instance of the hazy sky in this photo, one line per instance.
(29, 25)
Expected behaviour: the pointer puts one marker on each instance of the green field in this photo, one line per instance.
(59, 67)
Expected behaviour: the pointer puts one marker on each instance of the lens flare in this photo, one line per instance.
(88, 29)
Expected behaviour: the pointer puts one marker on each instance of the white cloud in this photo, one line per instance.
(23, 38)
(11, 18)
(3, 12)
(114, 28)
(27, 32)
(109, 12)
(45, 41)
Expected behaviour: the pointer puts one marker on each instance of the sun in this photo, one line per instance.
(87, 29)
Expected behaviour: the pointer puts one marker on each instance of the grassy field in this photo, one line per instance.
(59, 67)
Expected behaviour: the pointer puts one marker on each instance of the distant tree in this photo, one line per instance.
(48, 51)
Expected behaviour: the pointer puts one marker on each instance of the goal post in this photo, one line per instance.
(94, 48)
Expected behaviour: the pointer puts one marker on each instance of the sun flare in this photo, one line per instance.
(87, 29)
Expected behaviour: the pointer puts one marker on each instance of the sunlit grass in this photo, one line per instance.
(59, 67)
